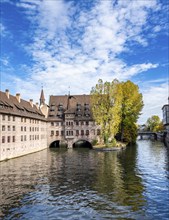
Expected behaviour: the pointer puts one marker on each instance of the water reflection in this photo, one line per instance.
(87, 184)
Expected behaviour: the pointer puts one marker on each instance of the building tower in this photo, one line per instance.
(42, 98)
(43, 107)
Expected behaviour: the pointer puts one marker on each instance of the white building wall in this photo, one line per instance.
(20, 136)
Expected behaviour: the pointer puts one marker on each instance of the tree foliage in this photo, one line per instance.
(106, 101)
(116, 107)
(132, 105)
(154, 124)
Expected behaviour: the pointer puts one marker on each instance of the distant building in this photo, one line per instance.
(165, 110)
(26, 128)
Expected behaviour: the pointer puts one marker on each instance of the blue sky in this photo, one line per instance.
(62, 44)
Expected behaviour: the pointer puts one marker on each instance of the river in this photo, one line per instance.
(87, 184)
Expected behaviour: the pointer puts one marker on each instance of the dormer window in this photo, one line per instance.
(86, 107)
(60, 107)
(78, 107)
(52, 107)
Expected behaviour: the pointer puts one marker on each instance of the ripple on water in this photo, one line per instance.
(83, 184)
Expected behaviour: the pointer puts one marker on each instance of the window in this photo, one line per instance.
(52, 123)
(21, 137)
(13, 139)
(52, 133)
(93, 131)
(77, 123)
(9, 128)
(13, 118)
(57, 133)
(77, 132)
(30, 128)
(9, 118)
(21, 119)
(82, 123)
(25, 119)
(62, 133)
(24, 128)
(98, 131)
(82, 132)
(69, 133)
(25, 138)
(3, 117)
(87, 132)
(21, 128)
(87, 123)
(72, 123)
(3, 127)
(13, 128)
(9, 139)
(3, 139)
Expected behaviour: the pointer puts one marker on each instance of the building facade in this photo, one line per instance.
(23, 127)
(70, 120)
(26, 128)
(165, 110)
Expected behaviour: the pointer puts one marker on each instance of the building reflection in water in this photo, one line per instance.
(70, 179)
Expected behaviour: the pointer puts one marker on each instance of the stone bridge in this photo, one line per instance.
(147, 133)
(72, 140)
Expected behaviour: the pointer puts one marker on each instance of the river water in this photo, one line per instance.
(87, 184)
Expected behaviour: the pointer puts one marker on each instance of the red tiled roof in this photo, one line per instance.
(23, 108)
(69, 106)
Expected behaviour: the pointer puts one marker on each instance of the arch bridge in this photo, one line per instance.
(72, 142)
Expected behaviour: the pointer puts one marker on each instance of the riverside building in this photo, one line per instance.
(165, 110)
(26, 128)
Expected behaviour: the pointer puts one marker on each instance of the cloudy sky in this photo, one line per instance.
(62, 43)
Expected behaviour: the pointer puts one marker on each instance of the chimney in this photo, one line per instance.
(31, 102)
(37, 105)
(18, 97)
(7, 93)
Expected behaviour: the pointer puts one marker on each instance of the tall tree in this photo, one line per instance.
(131, 107)
(106, 101)
(154, 124)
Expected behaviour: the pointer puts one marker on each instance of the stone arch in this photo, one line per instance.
(82, 143)
(58, 143)
(55, 144)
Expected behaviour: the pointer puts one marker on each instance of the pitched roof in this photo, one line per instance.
(79, 105)
(23, 108)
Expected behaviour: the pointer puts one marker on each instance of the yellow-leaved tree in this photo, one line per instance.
(106, 107)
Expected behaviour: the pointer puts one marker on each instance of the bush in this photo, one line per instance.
(94, 142)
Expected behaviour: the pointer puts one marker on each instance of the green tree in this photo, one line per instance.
(154, 124)
(106, 101)
(131, 107)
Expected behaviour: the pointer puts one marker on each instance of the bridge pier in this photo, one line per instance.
(70, 143)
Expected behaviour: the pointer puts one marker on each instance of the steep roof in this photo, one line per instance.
(42, 98)
(23, 108)
(79, 105)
